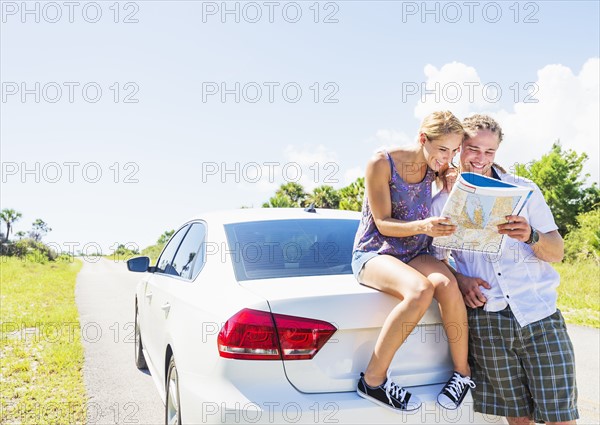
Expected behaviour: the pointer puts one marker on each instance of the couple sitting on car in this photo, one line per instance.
(526, 369)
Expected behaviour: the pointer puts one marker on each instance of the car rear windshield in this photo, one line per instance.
(287, 248)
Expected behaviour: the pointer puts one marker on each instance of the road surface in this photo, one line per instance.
(118, 392)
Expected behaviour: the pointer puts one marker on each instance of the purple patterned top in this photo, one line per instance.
(410, 202)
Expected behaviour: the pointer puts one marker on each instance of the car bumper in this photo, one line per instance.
(288, 406)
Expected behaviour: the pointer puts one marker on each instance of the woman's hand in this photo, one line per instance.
(448, 177)
(437, 226)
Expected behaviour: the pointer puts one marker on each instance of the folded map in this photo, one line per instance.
(477, 204)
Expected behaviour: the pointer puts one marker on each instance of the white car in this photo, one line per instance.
(254, 316)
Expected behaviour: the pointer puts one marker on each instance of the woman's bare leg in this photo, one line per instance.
(392, 276)
(452, 308)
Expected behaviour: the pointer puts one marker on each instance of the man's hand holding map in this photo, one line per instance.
(477, 204)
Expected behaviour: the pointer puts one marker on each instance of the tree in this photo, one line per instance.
(20, 234)
(591, 198)
(294, 191)
(289, 195)
(39, 229)
(324, 196)
(164, 238)
(279, 201)
(123, 252)
(352, 196)
(9, 216)
(558, 175)
(153, 251)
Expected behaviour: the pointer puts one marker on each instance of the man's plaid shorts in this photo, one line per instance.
(522, 372)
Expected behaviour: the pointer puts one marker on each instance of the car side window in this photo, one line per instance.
(165, 262)
(201, 257)
(190, 253)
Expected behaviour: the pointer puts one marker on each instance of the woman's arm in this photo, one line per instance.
(377, 177)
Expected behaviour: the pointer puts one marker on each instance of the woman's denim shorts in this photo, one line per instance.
(359, 259)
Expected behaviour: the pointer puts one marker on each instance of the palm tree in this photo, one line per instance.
(324, 196)
(352, 195)
(279, 201)
(39, 229)
(9, 216)
(294, 191)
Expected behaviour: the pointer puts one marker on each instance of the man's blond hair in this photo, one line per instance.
(477, 122)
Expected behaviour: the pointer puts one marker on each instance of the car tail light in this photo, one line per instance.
(250, 334)
(260, 335)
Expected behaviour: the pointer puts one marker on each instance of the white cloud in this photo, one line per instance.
(455, 87)
(308, 166)
(567, 109)
(351, 174)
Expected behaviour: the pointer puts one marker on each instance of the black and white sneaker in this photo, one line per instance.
(455, 391)
(389, 394)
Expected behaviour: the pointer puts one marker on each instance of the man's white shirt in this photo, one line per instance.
(516, 276)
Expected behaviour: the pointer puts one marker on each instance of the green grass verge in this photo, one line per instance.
(579, 292)
(41, 355)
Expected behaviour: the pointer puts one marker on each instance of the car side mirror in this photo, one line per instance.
(138, 264)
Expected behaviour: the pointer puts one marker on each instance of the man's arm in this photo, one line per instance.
(550, 246)
(469, 287)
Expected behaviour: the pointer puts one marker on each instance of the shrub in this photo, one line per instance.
(583, 242)
(29, 250)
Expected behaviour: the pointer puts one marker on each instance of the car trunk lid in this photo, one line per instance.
(358, 312)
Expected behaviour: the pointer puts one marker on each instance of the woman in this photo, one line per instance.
(391, 254)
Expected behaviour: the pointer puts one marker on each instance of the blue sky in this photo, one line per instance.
(163, 137)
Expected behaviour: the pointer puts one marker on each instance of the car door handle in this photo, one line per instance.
(148, 294)
(166, 307)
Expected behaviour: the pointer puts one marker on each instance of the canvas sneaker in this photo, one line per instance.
(389, 395)
(455, 391)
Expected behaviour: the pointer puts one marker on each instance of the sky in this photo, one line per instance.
(120, 120)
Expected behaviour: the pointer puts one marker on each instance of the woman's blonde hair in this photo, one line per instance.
(439, 124)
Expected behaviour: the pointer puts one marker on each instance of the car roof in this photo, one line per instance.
(263, 214)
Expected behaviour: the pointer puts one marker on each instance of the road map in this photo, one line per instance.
(477, 204)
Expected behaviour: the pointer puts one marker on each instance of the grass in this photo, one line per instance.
(579, 292)
(41, 356)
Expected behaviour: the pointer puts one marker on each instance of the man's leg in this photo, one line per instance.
(520, 421)
(549, 362)
(496, 369)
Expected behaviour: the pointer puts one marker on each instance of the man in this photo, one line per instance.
(521, 356)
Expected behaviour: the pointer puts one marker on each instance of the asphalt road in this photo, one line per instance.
(118, 392)
(121, 394)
